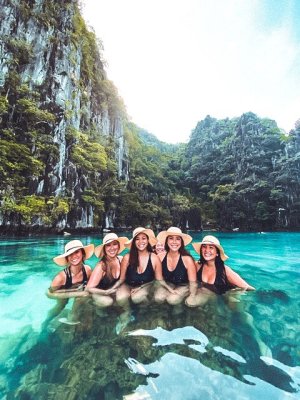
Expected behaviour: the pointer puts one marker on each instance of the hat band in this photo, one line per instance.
(75, 247)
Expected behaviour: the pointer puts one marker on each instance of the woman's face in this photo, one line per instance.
(209, 252)
(111, 249)
(159, 248)
(174, 242)
(141, 241)
(75, 258)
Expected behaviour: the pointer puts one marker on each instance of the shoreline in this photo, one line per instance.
(43, 231)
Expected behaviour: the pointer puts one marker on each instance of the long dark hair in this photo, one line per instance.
(105, 268)
(182, 250)
(134, 255)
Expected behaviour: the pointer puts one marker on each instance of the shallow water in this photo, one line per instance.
(241, 345)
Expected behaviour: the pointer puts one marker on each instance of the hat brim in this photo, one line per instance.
(149, 233)
(197, 247)
(162, 236)
(61, 260)
(99, 250)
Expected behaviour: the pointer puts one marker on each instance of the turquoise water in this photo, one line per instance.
(241, 345)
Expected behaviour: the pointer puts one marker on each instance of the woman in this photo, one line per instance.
(139, 268)
(71, 281)
(159, 248)
(178, 268)
(107, 271)
(212, 273)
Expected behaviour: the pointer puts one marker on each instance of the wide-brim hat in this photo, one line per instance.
(70, 248)
(148, 232)
(110, 237)
(174, 231)
(209, 239)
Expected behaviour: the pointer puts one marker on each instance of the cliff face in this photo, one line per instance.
(58, 104)
(246, 173)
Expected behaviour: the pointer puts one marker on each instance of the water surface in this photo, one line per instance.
(241, 345)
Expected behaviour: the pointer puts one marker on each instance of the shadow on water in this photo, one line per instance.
(109, 354)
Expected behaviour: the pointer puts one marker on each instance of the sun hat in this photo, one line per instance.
(148, 232)
(110, 237)
(70, 248)
(174, 231)
(209, 239)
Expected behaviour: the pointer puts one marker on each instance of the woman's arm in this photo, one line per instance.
(88, 271)
(236, 280)
(96, 276)
(66, 293)
(190, 266)
(58, 281)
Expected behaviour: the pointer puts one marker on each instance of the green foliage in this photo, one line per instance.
(29, 109)
(3, 105)
(21, 50)
(31, 208)
(88, 155)
(16, 164)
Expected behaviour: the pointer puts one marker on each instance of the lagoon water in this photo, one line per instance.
(240, 345)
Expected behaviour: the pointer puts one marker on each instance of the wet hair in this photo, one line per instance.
(182, 250)
(105, 268)
(134, 255)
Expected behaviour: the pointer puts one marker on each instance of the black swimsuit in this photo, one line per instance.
(133, 278)
(107, 282)
(221, 284)
(69, 282)
(179, 276)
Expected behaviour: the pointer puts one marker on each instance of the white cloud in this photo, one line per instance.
(174, 62)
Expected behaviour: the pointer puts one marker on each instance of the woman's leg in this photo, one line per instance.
(141, 293)
(182, 292)
(123, 295)
(161, 294)
(102, 301)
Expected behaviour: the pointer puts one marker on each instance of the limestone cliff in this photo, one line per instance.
(56, 102)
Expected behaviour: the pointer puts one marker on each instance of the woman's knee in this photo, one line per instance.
(102, 301)
(174, 299)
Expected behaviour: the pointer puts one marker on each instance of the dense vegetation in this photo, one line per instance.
(245, 173)
(240, 173)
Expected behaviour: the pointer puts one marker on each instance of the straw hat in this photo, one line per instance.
(209, 239)
(173, 231)
(70, 248)
(148, 232)
(110, 237)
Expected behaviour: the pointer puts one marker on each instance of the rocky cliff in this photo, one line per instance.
(61, 112)
(245, 173)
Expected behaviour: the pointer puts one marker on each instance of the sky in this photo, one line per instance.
(176, 61)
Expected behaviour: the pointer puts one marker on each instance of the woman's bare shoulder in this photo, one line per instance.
(187, 259)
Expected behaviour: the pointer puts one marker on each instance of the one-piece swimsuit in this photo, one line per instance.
(69, 282)
(107, 282)
(133, 278)
(221, 284)
(178, 276)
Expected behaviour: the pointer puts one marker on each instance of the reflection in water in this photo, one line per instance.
(151, 352)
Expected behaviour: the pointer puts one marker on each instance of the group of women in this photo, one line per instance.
(159, 266)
